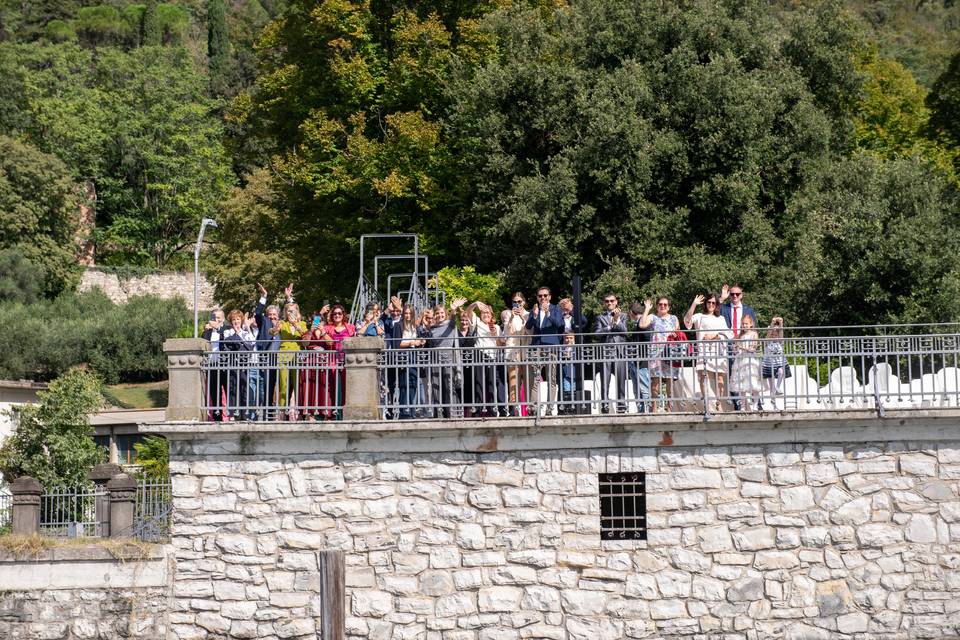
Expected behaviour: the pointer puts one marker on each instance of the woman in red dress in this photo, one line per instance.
(336, 331)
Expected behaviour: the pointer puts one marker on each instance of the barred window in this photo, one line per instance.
(623, 506)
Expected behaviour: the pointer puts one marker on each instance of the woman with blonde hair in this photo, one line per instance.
(291, 330)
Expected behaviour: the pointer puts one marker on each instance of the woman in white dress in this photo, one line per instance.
(745, 375)
(712, 334)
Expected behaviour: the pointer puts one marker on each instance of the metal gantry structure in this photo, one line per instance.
(419, 294)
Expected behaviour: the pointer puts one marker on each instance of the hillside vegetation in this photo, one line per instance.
(808, 150)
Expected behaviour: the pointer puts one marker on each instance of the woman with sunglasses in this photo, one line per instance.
(661, 367)
(712, 334)
(516, 339)
(335, 332)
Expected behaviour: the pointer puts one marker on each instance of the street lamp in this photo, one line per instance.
(196, 272)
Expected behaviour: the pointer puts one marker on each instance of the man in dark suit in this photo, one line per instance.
(545, 324)
(734, 312)
(267, 345)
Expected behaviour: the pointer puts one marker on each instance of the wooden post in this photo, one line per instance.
(332, 595)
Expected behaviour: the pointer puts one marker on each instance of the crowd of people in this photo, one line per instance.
(466, 360)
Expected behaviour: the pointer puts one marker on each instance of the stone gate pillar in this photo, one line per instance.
(187, 388)
(362, 392)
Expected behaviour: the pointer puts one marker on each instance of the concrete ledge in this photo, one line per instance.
(86, 567)
(192, 439)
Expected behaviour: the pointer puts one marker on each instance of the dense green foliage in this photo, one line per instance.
(38, 209)
(44, 339)
(53, 441)
(153, 456)
(807, 150)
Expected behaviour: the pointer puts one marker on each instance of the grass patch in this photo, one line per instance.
(32, 546)
(147, 395)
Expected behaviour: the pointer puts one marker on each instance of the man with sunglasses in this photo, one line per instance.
(611, 328)
(734, 312)
(545, 324)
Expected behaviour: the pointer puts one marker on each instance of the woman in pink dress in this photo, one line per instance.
(336, 331)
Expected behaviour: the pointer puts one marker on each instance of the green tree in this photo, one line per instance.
(218, 46)
(150, 34)
(153, 456)
(875, 241)
(465, 282)
(137, 125)
(944, 102)
(21, 281)
(671, 141)
(39, 212)
(347, 105)
(52, 441)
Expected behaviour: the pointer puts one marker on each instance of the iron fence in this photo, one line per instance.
(798, 373)
(6, 512)
(72, 512)
(305, 382)
(83, 512)
(808, 368)
(152, 511)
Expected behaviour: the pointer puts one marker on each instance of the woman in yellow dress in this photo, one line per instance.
(291, 331)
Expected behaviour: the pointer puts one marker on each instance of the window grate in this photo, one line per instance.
(623, 506)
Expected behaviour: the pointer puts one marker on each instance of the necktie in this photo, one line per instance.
(736, 327)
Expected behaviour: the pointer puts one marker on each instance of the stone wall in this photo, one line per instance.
(165, 285)
(854, 539)
(84, 593)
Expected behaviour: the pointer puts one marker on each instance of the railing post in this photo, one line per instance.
(26, 505)
(122, 490)
(186, 386)
(362, 392)
(100, 475)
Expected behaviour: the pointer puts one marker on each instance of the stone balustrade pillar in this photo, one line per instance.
(100, 475)
(362, 393)
(123, 494)
(186, 386)
(26, 505)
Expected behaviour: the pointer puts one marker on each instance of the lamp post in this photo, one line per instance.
(196, 273)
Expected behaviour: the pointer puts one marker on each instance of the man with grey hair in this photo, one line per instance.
(268, 344)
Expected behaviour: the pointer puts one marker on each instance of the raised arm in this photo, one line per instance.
(646, 318)
(688, 317)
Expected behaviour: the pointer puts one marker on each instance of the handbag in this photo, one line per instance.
(679, 348)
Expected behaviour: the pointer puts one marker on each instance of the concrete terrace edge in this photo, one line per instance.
(243, 439)
(86, 567)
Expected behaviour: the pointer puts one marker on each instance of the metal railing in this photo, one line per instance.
(6, 512)
(810, 368)
(152, 511)
(83, 512)
(72, 512)
(797, 372)
(306, 382)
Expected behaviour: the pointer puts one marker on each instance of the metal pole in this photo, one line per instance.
(196, 274)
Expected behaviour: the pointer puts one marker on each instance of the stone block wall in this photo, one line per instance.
(85, 593)
(796, 541)
(83, 614)
(166, 285)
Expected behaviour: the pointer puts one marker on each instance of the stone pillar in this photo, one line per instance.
(123, 494)
(100, 475)
(187, 389)
(361, 398)
(26, 505)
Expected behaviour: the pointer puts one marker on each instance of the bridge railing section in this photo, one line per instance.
(806, 369)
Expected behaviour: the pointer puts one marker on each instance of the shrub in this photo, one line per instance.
(122, 343)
